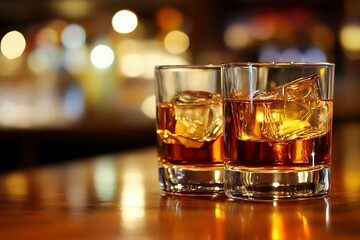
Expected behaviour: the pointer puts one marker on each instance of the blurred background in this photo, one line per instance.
(76, 76)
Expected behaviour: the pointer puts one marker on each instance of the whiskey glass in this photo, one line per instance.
(277, 129)
(189, 129)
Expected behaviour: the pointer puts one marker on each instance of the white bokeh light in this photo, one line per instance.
(102, 56)
(13, 44)
(124, 21)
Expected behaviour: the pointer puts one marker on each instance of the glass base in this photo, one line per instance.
(182, 179)
(275, 184)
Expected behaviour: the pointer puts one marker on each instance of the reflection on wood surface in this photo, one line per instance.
(117, 196)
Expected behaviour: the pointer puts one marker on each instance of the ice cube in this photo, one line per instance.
(198, 117)
(293, 110)
(301, 88)
(290, 120)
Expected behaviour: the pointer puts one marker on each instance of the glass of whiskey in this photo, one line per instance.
(277, 129)
(189, 129)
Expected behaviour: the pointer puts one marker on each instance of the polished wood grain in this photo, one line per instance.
(116, 196)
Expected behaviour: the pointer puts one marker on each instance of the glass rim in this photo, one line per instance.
(188, 67)
(278, 64)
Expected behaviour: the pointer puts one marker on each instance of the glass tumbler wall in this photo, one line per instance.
(277, 128)
(189, 129)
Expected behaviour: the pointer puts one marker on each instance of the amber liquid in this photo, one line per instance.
(247, 143)
(176, 149)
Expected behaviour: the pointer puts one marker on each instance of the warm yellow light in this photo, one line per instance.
(350, 37)
(124, 21)
(132, 65)
(13, 44)
(237, 36)
(276, 184)
(277, 230)
(176, 42)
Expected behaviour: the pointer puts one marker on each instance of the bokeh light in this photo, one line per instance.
(132, 65)
(291, 55)
(237, 36)
(73, 9)
(75, 60)
(13, 44)
(124, 21)
(39, 60)
(102, 56)
(161, 58)
(314, 54)
(269, 54)
(322, 36)
(137, 58)
(73, 36)
(148, 107)
(47, 37)
(74, 105)
(176, 42)
(169, 18)
(261, 28)
(44, 59)
(349, 37)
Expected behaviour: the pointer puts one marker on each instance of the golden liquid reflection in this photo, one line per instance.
(307, 213)
(277, 230)
(219, 221)
(277, 220)
(305, 225)
(180, 215)
(132, 199)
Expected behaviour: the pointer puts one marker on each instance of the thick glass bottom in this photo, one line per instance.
(191, 180)
(277, 184)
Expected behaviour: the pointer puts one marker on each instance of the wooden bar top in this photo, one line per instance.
(116, 196)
